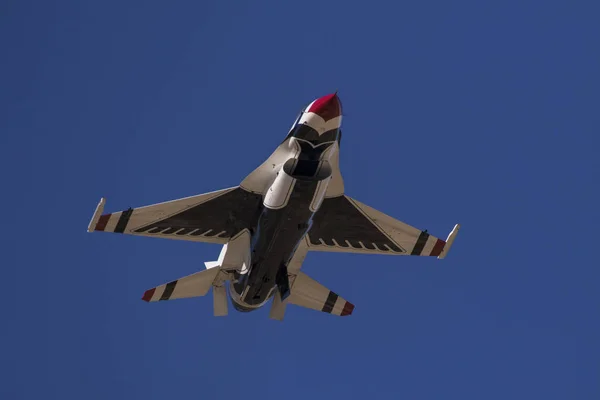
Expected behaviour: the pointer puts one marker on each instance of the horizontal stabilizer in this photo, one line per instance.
(194, 285)
(306, 292)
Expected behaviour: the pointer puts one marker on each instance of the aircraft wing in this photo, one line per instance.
(212, 217)
(344, 224)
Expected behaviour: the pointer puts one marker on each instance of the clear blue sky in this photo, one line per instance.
(472, 112)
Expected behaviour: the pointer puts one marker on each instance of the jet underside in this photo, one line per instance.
(294, 202)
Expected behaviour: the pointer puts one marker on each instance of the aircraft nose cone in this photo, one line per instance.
(327, 107)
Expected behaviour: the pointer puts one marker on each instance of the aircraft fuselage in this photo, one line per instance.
(289, 204)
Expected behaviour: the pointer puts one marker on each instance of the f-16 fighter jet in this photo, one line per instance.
(291, 204)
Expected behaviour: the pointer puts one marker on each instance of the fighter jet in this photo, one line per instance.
(293, 203)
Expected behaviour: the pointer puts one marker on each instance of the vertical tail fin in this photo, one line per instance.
(219, 301)
(277, 307)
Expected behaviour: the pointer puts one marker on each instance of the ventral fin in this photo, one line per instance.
(283, 282)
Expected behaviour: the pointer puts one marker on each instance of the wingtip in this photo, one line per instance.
(148, 294)
(449, 242)
(97, 214)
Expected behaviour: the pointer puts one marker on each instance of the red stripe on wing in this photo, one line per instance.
(148, 294)
(348, 308)
(437, 249)
(102, 221)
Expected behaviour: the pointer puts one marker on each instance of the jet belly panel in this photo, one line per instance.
(277, 236)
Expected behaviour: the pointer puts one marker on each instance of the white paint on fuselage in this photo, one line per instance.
(261, 179)
(318, 123)
(319, 195)
(279, 193)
